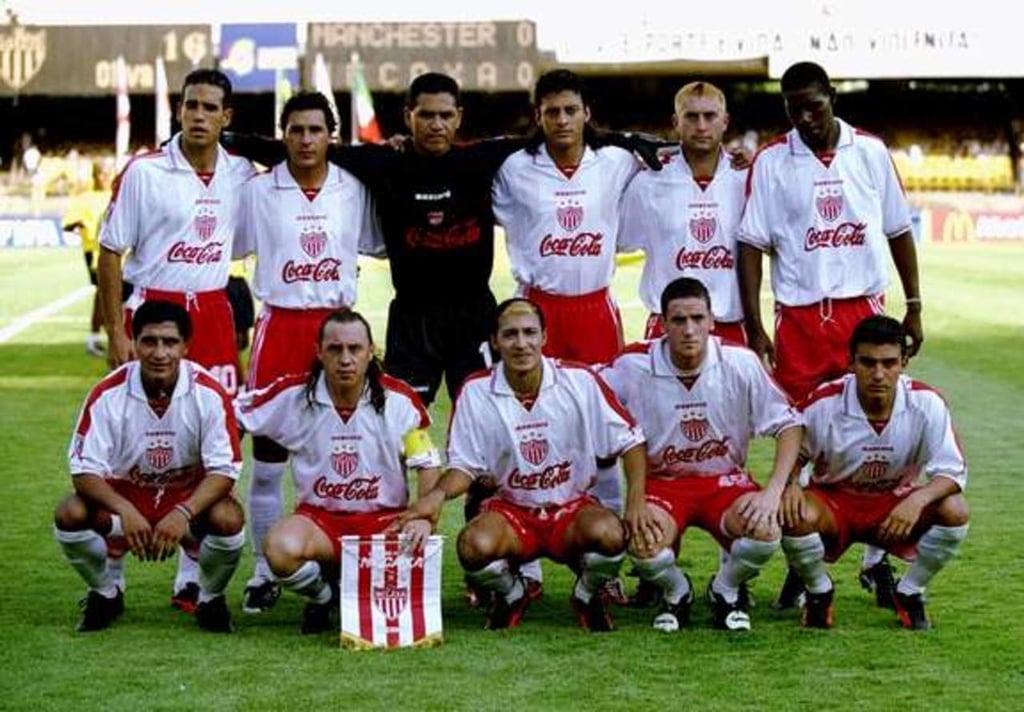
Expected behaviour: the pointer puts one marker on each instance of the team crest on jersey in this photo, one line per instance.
(390, 599)
(534, 449)
(703, 224)
(873, 469)
(828, 200)
(206, 224)
(569, 215)
(694, 425)
(313, 240)
(159, 450)
(345, 462)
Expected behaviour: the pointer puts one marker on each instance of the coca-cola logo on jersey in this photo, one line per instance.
(847, 234)
(313, 240)
(359, 489)
(534, 448)
(205, 223)
(548, 478)
(717, 257)
(828, 199)
(326, 270)
(585, 244)
(703, 223)
(209, 253)
(699, 453)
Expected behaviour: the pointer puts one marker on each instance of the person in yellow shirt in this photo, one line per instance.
(83, 217)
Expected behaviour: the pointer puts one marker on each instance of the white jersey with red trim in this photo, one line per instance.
(306, 249)
(849, 452)
(561, 232)
(702, 430)
(177, 229)
(341, 462)
(119, 436)
(546, 454)
(686, 231)
(826, 223)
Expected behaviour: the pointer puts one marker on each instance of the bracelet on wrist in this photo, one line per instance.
(184, 509)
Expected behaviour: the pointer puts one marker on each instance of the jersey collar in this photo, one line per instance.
(661, 364)
(722, 167)
(322, 396)
(180, 163)
(500, 385)
(284, 180)
(186, 373)
(799, 148)
(852, 406)
(543, 158)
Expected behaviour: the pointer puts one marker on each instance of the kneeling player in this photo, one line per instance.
(871, 434)
(537, 426)
(153, 461)
(351, 431)
(699, 399)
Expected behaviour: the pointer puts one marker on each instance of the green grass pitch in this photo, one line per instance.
(155, 659)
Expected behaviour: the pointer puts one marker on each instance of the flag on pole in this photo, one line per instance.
(124, 125)
(282, 93)
(390, 598)
(163, 104)
(365, 128)
(322, 84)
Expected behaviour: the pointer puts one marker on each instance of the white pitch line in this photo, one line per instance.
(37, 315)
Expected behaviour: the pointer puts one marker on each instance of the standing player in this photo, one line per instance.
(174, 212)
(305, 221)
(870, 435)
(352, 431)
(685, 216)
(153, 460)
(699, 399)
(537, 425)
(83, 217)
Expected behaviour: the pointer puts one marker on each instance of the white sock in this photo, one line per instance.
(607, 488)
(497, 577)
(936, 548)
(86, 551)
(218, 559)
(806, 554)
(597, 570)
(115, 565)
(265, 507)
(872, 556)
(308, 581)
(662, 571)
(188, 570)
(746, 559)
(532, 570)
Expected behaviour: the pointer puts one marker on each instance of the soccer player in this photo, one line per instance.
(685, 216)
(174, 212)
(83, 217)
(825, 201)
(699, 398)
(871, 435)
(153, 461)
(352, 432)
(536, 426)
(305, 220)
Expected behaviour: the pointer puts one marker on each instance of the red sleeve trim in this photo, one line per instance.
(399, 386)
(922, 386)
(206, 380)
(475, 376)
(116, 187)
(279, 384)
(826, 390)
(110, 382)
(606, 391)
(778, 140)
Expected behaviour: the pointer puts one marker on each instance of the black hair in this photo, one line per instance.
(157, 312)
(505, 305)
(309, 101)
(553, 82)
(684, 288)
(878, 329)
(432, 83)
(373, 373)
(213, 77)
(803, 75)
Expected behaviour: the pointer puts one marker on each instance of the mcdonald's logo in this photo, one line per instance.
(958, 227)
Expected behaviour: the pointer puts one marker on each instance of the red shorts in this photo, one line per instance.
(541, 530)
(584, 327)
(812, 343)
(700, 501)
(857, 516)
(284, 344)
(213, 331)
(153, 503)
(338, 524)
(731, 331)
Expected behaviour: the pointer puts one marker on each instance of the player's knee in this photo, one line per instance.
(71, 514)
(266, 450)
(477, 547)
(225, 517)
(953, 511)
(606, 535)
(284, 551)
